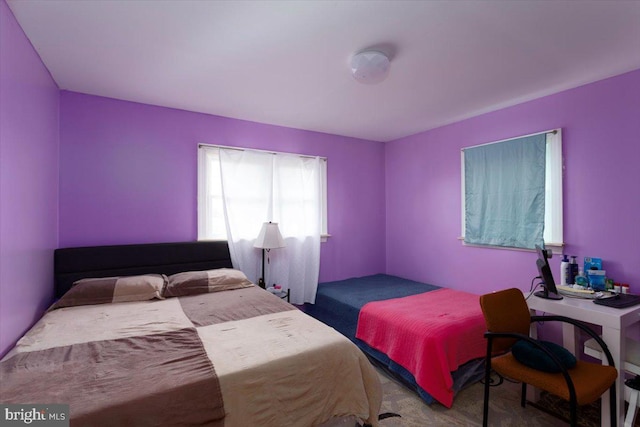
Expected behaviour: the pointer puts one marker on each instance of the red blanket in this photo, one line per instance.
(429, 334)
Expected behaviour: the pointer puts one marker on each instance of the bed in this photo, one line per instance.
(445, 332)
(169, 334)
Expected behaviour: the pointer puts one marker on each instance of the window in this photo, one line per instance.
(550, 192)
(211, 223)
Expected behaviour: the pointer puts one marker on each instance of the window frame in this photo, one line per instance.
(201, 209)
(554, 228)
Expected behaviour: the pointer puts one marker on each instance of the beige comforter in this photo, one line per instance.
(234, 358)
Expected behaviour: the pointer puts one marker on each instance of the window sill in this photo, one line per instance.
(556, 248)
(324, 237)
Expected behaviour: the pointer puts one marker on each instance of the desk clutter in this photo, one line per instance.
(579, 292)
(590, 277)
(609, 299)
(591, 282)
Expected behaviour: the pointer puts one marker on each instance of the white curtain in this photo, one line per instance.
(553, 230)
(297, 195)
(246, 178)
(258, 187)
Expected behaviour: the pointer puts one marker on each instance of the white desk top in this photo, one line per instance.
(586, 311)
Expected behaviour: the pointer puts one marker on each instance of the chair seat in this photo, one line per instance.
(590, 380)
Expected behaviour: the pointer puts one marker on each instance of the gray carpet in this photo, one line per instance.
(505, 409)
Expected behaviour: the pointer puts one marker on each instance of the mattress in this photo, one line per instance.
(232, 358)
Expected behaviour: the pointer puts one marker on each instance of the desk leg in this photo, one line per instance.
(532, 392)
(616, 342)
(571, 338)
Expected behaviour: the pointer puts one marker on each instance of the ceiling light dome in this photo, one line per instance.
(370, 67)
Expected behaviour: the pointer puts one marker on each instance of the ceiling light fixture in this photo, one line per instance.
(370, 66)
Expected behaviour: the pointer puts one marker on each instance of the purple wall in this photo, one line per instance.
(601, 131)
(128, 175)
(29, 105)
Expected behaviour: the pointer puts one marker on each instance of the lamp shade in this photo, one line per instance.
(269, 237)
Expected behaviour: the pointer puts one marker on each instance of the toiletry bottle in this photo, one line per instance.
(581, 279)
(573, 270)
(564, 271)
(608, 284)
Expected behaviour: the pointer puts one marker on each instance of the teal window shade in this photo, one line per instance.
(505, 192)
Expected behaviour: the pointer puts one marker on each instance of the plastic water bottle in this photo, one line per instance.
(564, 271)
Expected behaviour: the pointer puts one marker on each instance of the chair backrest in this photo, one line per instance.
(505, 311)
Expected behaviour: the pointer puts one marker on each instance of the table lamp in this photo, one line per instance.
(269, 238)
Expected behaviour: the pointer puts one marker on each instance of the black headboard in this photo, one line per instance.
(71, 264)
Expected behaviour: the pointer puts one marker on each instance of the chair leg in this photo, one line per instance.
(487, 382)
(485, 410)
(612, 405)
(523, 395)
(573, 417)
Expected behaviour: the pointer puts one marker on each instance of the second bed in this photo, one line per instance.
(431, 338)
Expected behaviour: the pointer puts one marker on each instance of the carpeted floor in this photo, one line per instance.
(505, 409)
(588, 416)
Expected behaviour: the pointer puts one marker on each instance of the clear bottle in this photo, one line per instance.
(564, 271)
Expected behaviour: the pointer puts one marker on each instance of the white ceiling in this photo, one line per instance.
(287, 62)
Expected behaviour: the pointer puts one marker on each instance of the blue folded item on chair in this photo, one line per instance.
(528, 354)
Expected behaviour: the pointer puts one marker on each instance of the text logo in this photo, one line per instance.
(54, 415)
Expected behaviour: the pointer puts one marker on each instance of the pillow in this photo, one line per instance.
(201, 282)
(534, 357)
(108, 290)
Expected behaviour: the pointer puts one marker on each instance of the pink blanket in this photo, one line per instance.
(429, 334)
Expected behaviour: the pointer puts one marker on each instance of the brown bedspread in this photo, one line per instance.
(144, 381)
(233, 358)
(218, 307)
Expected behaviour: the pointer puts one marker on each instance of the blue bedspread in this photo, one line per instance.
(338, 303)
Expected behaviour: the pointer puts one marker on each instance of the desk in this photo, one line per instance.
(614, 322)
